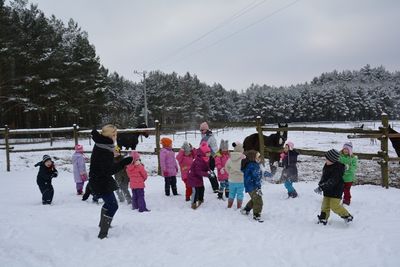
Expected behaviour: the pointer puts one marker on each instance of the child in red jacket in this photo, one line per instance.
(137, 175)
(185, 159)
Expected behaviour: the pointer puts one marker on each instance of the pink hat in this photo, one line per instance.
(135, 155)
(290, 145)
(79, 148)
(204, 147)
(349, 147)
(204, 126)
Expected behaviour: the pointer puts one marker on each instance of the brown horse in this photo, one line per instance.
(276, 140)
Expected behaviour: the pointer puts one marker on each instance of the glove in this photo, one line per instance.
(126, 161)
(259, 192)
(54, 174)
(318, 190)
(84, 177)
(222, 171)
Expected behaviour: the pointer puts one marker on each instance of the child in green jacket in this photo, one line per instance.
(350, 162)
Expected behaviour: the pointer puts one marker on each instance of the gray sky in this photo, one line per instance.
(270, 42)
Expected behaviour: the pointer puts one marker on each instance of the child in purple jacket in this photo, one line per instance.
(169, 167)
(199, 169)
(79, 168)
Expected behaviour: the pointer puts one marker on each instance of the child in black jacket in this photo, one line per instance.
(331, 184)
(47, 171)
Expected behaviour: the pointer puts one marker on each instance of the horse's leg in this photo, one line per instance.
(272, 167)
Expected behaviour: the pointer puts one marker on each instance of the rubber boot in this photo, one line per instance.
(105, 223)
(102, 212)
(230, 203)
(239, 204)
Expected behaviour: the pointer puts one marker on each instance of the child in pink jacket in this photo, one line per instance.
(137, 175)
(221, 158)
(169, 168)
(185, 159)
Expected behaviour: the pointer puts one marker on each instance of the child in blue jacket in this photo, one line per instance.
(47, 171)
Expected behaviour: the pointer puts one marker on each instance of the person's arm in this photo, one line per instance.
(212, 143)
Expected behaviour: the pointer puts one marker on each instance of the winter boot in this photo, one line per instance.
(244, 211)
(175, 191)
(102, 212)
(219, 195)
(239, 204)
(257, 217)
(199, 203)
(230, 203)
(105, 223)
(226, 193)
(348, 218)
(322, 218)
(294, 194)
(79, 192)
(194, 205)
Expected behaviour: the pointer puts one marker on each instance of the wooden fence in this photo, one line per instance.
(382, 135)
(76, 132)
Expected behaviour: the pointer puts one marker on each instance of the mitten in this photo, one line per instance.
(318, 190)
(54, 174)
(222, 171)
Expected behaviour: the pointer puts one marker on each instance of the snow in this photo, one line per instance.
(172, 234)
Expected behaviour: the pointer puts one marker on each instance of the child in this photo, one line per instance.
(232, 166)
(137, 175)
(252, 184)
(199, 169)
(47, 171)
(331, 184)
(350, 162)
(79, 168)
(289, 172)
(185, 159)
(123, 182)
(169, 168)
(221, 158)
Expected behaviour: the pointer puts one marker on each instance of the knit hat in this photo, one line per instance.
(166, 142)
(289, 144)
(349, 147)
(186, 147)
(79, 148)
(135, 155)
(204, 147)
(237, 147)
(332, 155)
(204, 126)
(46, 158)
(224, 145)
(108, 130)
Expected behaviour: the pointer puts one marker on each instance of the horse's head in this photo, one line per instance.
(282, 134)
(143, 126)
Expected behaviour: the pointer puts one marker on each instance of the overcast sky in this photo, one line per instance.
(238, 42)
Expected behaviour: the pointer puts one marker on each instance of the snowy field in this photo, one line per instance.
(172, 234)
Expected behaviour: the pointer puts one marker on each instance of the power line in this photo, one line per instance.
(238, 31)
(232, 18)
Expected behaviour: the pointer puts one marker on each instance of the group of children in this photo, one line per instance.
(237, 171)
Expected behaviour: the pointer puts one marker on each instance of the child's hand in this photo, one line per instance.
(222, 171)
(318, 190)
(84, 177)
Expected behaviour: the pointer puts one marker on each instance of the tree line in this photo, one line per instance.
(50, 75)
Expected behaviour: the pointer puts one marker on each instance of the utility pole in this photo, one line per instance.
(145, 95)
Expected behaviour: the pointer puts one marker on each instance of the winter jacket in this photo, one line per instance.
(220, 163)
(168, 163)
(350, 163)
(45, 174)
(137, 175)
(331, 181)
(103, 166)
(198, 170)
(185, 161)
(289, 172)
(232, 166)
(252, 176)
(78, 167)
(211, 141)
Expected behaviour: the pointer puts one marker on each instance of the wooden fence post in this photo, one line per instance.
(6, 139)
(51, 137)
(384, 150)
(158, 133)
(76, 127)
(260, 138)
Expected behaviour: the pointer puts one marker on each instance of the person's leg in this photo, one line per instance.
(346, 193)
(194, 197)
(173, 186)
(257, 203)
(232, 194)
(240, 194)
(338, 209)
(125, 189)
(167, 185)
(325, 210)
(141, 202)
(134, 199)
(109, 209)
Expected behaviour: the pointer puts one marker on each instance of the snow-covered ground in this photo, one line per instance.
(172, 234)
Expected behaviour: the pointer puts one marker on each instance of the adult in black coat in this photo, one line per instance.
(46, 173)
(332, 184)
(102, 167)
